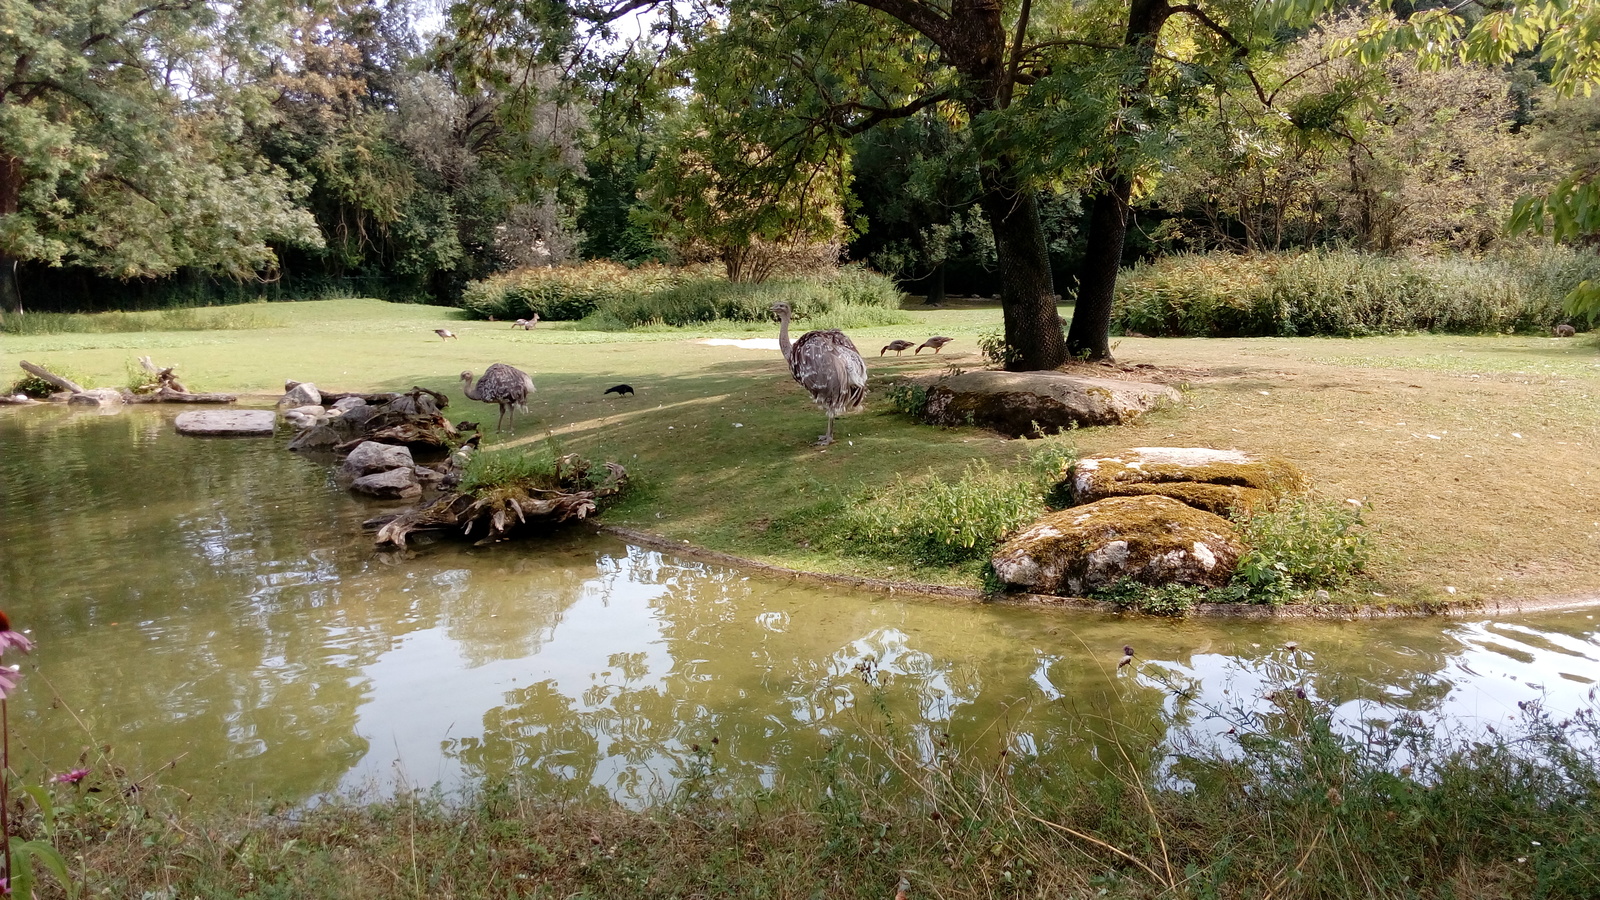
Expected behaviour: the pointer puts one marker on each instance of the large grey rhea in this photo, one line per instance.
(506, 385)
(827, 365)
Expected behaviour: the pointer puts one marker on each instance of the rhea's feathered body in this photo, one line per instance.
(827, 365)
(505, 385)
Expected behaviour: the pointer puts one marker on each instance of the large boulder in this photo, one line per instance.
(299, 393)
(1153, 540)
(395, 484)
(1030, 404)
(355, 418)
(227, 422)
(370, 456)
(1217, 481)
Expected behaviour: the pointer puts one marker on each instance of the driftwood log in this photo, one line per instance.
(495, 514)
(166, 389)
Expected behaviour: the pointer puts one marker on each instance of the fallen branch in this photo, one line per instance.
(62, 383)
(167, 395)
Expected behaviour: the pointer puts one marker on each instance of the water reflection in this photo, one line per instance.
(215, 602)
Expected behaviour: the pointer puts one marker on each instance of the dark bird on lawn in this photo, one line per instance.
(936, 342)
(1566, 331)
(620, 389)
(897, 346)
(827, 365)
(502, 384)
(445, 334)
(526, 324)
(1127, 657)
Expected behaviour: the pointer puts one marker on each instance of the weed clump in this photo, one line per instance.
(1345, 293)
(934, 521)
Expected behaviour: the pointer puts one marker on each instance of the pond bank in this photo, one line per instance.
(1330, 611)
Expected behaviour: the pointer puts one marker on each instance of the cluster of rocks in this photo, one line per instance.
(376, 433)
(1151, 514)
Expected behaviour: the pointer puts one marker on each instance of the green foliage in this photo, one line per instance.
(910, 399)
(568, 292)
(37, 388)
(1155, 600)
(932, 521)
(224, 319)
(1302, 544)
(996, 352)
(490, 470)
(1347, 294)
(610, 296)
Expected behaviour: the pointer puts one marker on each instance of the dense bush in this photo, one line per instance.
(567, 292)
(1344, 293)
(614, 297)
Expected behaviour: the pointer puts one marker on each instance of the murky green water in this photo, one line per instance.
(214, 602)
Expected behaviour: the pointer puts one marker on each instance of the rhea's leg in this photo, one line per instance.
(827, 439)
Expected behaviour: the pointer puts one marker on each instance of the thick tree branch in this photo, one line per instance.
(1014, 69)
(920, 17)
(876, 114)
(1240, 49)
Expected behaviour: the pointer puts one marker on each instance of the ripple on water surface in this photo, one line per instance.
(215, 601)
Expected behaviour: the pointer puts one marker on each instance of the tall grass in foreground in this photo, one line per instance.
(1349, 294)
(225, 318)
(1287, 805)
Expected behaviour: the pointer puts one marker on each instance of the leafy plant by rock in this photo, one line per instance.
(514, 494)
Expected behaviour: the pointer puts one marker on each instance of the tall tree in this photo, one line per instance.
(119, 127)
(1050, 94)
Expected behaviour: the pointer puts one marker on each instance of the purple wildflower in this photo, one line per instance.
(72, 777)
(10, 639)
(8, 680)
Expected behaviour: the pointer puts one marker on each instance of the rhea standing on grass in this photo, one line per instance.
(827, 365)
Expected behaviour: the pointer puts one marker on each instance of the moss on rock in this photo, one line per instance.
(1217, 481)
(1153, 539)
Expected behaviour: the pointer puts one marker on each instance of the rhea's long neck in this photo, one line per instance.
(783, 335)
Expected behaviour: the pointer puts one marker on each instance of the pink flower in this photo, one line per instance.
(72, 777)
(8, 680)
(10, 639)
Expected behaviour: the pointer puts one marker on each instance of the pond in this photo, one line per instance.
(213, 603)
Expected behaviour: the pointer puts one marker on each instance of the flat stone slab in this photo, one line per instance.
(1033, 404)
(228, 422)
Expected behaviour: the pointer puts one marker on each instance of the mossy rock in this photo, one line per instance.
(1154, 540)
(1216, 481)
(1034, 404)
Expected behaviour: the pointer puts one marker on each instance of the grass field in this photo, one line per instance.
(1476, 454)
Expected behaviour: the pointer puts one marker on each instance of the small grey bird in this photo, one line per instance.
(445, 334)
(936, 342)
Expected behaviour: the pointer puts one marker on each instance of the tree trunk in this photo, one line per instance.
(1027, 290)
(10, 198)
(936, 286)
(1090, 336)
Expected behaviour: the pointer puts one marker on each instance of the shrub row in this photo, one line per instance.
(1348, 294)
(614, 297)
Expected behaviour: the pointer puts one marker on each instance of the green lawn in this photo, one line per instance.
(1477, 454)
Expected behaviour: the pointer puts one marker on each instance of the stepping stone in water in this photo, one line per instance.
(228, 422)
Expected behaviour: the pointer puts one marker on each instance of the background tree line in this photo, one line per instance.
(194, 151)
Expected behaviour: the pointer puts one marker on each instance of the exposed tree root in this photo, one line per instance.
(496, 513)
